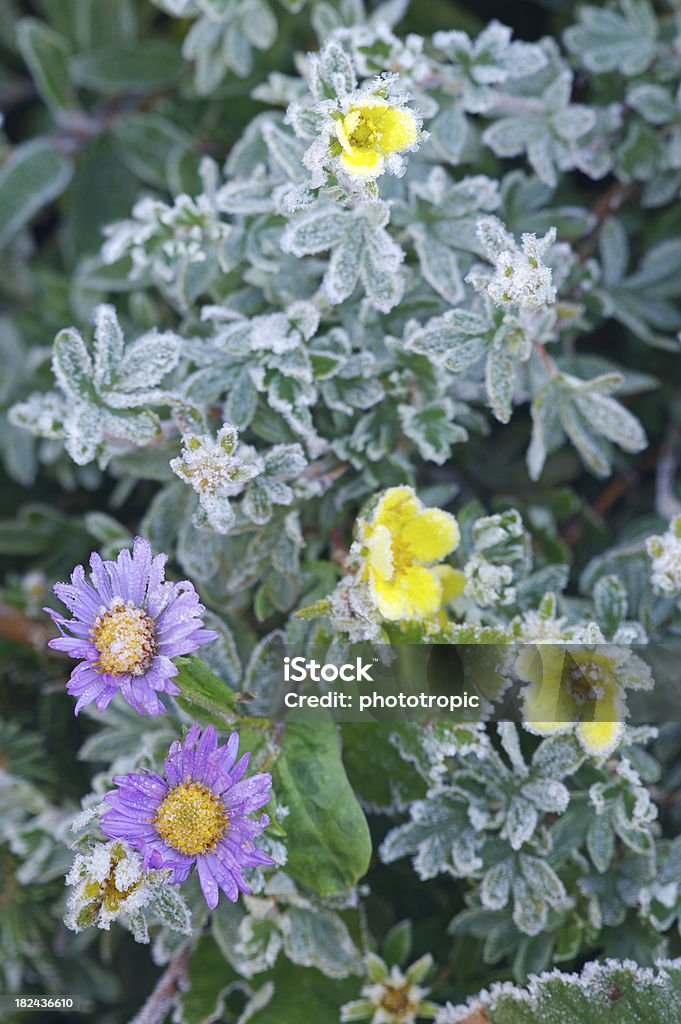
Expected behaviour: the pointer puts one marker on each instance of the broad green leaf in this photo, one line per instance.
(146, 66)
(202, 689)
(210, 980)
(329, 845)
(33, 175)
(301, 995)
(46, 53)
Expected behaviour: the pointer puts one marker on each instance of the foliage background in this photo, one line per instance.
(107, 130)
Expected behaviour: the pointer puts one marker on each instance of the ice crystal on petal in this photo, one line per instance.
(359, 135)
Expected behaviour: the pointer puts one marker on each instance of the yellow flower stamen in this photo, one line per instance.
(398, 1002)
(191, 818)
(371, 132)
(125, 637)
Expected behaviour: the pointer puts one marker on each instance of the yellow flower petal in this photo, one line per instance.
(397, 505)
(453, 582)
(423, 590)
(362, 164)
(431, 535)
(380, 553)
(389, 598)
(600, 738)
(414, 594)
(398, 129)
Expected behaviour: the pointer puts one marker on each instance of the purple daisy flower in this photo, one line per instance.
(198, 814)
(126, 627)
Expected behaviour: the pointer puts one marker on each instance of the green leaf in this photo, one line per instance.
(605, 40)
(72, 365)
(397, 945)
(303, 994)
(33, 175)
(203, 689)
(46, 53)
(210, 980)
(145, 66)
(328, 837)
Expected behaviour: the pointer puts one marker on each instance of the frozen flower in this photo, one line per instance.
(108, 882)
(400, 545)
(199, 814)
(392, 997)
(520, 278)
(580, 687)
(369, 133)
(665, 551)
(488, 584)
(127, 624)
(215, 471)
(363, 134)
(159, 235)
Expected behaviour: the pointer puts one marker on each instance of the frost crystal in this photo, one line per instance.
(488, 584)
(216, 472)
(665, 552)
(520, 278)
(108, 882)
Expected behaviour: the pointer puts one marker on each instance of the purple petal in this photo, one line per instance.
(209, 886)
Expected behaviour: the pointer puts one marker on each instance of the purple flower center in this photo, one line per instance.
(125, 637)
(191, 818)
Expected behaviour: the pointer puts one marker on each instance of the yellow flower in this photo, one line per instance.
(400, 544)
(370, 132)
(575, 687)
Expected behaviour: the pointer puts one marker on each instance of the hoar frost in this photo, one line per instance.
(217, 472)
(520, 278)
(665, 552)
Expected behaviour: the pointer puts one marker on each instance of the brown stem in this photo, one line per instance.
(173, 981)
(615, 197)
(545, 358)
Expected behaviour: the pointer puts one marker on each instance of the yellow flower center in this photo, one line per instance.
(191, 818)
(397, 1001)
(125, 638)
(583, 681)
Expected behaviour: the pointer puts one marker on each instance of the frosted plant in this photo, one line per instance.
(391, 996)
(109, 883)
(180, 247)
(488, 585)
(398, 547)
(359, 133)
(664, 551)
(520, 278)
(218, 469)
